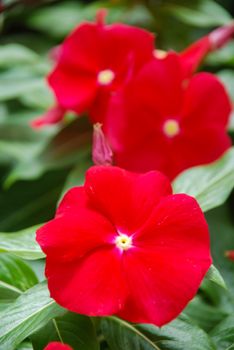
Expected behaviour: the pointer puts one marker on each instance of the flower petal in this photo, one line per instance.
(94, 286)
(127, 199)
(206, 102)
(170, 257)
(75, 90)
(168, 281)
(199, 147)
(69, 237)
(177, 223)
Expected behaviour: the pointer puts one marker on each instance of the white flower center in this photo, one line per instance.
(160, 54)
(171, 128)
(123, 242)
(105, 77)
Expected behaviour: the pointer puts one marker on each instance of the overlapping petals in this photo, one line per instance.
(120, 231)
(166, 122)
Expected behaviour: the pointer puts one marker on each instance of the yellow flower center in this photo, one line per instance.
(171, 128)
(160, 54)
(105, 77)
(123, 242)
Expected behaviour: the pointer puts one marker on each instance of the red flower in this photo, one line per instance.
(124, 244)
(161, 121)
(57, 346)
(94, 61)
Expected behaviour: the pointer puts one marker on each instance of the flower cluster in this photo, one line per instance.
(156, 113)
(124, 228)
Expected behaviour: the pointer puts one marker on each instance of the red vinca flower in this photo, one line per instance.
(57, 346)
(162, 121)
(94, 61)
(123, 244)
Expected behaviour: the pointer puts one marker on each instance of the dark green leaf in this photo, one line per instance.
(15, 275)
(73, 329)
(31, 311)
(178, 335)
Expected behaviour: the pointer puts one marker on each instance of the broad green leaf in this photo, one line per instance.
(181, 334)
(25, 346)
(14, 86)
(16, 54)
(227, 77)
(30, 203)
(15, 275)
(223, 56)
(221, 227)
(21, 243)
(206, 316)
(223, 334)
(73, 329)
(210, 184)
(77, 175)
(31, 311)
(205, 13)
(71, 146)
(214, 275)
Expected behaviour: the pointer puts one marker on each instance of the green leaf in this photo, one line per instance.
(206, 316)
(221, 227)
(178, 335)
(16, 54)
(72, 329)
(31, 311)
(16, 83)
(227, 77)
(210, 184)
(15, 275)
(71, 146)
(21, 243)
(214, 275)
(223, 334)
(30, 203)
(76, 176)
(25, 346)
(199, 13)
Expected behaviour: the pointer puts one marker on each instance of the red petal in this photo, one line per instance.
(170, 260)
(168, 281)
(57, 346)
(74, 200)
(52, 116)
(69, 237)
(127, 199)
(206, 102)
(190, 231)
(93, 286)
(198, 147)
(81, 49)
(192, 56)
(75, 90)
